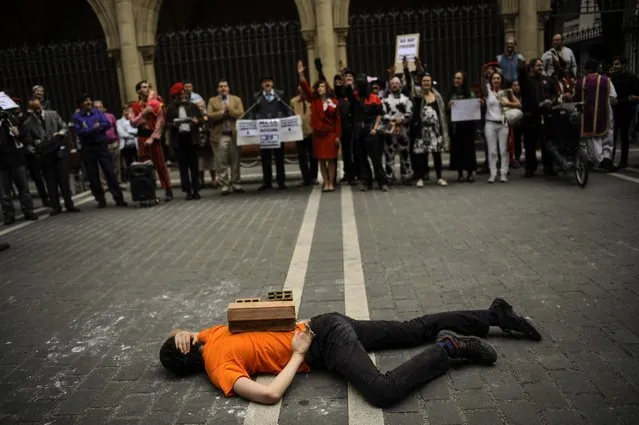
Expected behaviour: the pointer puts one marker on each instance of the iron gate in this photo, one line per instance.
(452, 38)
(242, 54)
(65, 70)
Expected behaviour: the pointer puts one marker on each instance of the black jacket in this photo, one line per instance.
(11, 150)
(263, 109)
(173, 112)
(535, 90)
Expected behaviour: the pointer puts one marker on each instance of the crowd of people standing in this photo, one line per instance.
(369, 120)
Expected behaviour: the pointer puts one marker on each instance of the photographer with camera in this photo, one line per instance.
(13, 164)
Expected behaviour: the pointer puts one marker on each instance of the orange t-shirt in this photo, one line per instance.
(228, 356)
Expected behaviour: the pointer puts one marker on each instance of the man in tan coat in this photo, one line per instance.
(223, 111)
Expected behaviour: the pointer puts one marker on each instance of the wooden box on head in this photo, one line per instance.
(277, 314)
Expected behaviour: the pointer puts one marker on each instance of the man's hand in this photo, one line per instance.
(184, 340)
(194, 120)
(148, 142)
(96, 125)
(147, 110)
(300, 67)
(15, 132)
(373, 131)
(301, 342)
(337, 141)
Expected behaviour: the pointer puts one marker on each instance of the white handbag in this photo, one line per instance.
(512, 116)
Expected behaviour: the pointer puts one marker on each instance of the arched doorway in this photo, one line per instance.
(455, 35)
(203, 41)
(66, 59)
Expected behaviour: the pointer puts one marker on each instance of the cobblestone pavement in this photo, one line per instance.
(87, 299)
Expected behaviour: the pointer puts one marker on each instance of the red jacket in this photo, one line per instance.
(323, 121)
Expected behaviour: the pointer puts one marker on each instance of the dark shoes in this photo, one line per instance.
(121, 203)
(73, 209)
(4, 246)
(196, 196)
(8, 221)
(30, 216)
(102, 203)
(470, 348)
(510, 321)
(265, 187)
(168, 195)
(55, 212)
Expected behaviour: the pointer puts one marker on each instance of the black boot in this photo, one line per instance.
(168, 195)
(510, 321)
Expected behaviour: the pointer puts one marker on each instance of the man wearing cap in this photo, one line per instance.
(90, 126)
(268, 104)
(150, 124)
(183, 119)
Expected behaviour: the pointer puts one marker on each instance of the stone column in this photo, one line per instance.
(148, 55)
(115, 54)
(542, 18)
(341, 35)
(510, 27)
(309, 38)
(326, 36)
(528, 33)
(131, 69)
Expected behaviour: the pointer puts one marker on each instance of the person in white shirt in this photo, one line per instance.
(560, 59)
(128, 142)
(496, 128)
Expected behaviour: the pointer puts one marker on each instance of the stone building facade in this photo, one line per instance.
(130, 28)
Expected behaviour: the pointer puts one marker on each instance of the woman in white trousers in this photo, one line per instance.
(496, 128)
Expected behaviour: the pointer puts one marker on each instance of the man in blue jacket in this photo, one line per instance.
(90, 126)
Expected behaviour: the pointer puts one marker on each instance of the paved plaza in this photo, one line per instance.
(87, 299)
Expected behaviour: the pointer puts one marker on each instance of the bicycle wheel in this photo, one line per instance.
(581, 168)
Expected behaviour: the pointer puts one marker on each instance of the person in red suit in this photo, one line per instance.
(148, 115)
(326, 123)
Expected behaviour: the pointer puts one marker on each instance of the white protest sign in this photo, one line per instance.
(406, 45)
(247, 128)
(291, 129)
(465, 110)
(269, 133)
(6, 102)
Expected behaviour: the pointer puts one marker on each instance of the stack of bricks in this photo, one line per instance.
(254, 315)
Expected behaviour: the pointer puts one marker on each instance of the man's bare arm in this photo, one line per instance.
(273, 392)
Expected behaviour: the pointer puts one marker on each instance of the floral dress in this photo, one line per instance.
(431, 137)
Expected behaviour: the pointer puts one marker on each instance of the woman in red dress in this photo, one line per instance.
(326, 124)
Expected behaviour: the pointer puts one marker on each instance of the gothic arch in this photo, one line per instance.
(105, 11)
(147, 16)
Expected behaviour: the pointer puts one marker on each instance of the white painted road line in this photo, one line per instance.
(360, 412)
(259, 414)
(624, 177)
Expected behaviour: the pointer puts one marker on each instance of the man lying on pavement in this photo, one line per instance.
(340, 344)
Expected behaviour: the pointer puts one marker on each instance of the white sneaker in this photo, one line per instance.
(504, 179)
(420, 183)
(442, 182)
(491, 179)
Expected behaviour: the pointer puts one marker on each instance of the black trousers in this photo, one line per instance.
(623, 119)
(369, 146)
(308, 163)
(531, 129)
(186, 152)
(421, 165)
(351, 167)
(56, 174)
(95, 156)
(17, 176)
(34, 166)
(266, 156)
(341, 345)
(128, 155)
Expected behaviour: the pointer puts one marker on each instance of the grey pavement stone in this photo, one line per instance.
(441, 412)
(483, 417)
(541, 244)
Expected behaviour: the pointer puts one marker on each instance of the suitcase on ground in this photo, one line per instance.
(143, 186)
